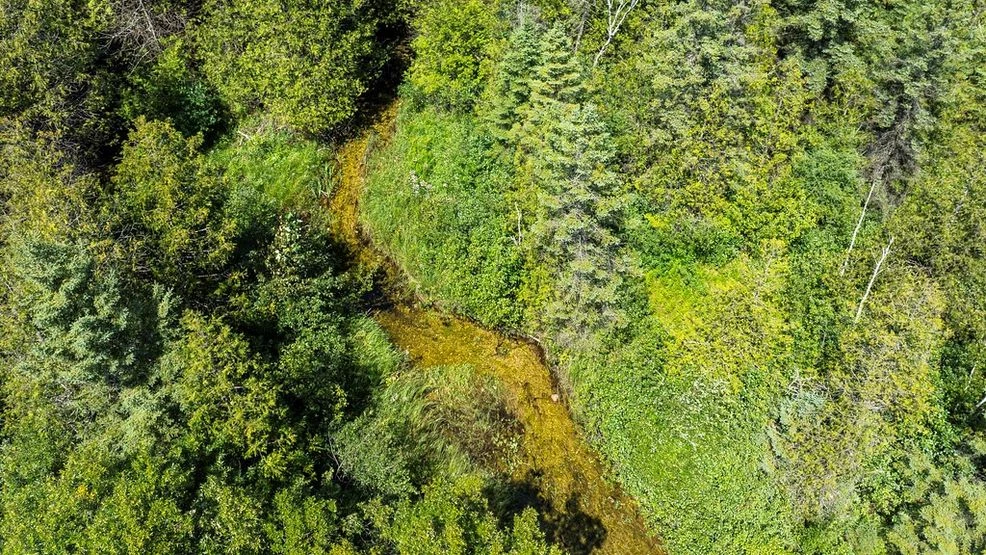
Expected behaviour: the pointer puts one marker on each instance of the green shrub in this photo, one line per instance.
(456, 43)
(173, 89)
(173, 205)
(306, 62)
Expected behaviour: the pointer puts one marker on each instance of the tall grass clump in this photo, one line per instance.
(434, 202)
(426, 422)
(291, 171)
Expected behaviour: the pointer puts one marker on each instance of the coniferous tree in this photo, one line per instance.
(91, 327)
(512, 89)
(556, 90)
(582, 213)
(568, 153)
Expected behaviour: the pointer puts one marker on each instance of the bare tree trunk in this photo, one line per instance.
(616, 14)
(520, 232)
(979, 404)
(859, 224)
(578, 37)
(876, 272)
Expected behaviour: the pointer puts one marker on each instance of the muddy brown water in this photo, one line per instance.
(559, 473)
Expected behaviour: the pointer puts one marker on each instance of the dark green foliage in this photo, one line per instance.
(944, 508)
(889, 64)
(186, 364)
(512, 86)
(95, 329)
(746, 406)
(173, 89)
(227, 428)
(453, 517)
(577, 198)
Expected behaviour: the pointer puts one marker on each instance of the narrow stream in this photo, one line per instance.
(559, 474)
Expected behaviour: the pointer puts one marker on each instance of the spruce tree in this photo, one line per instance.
(567, 155)
(512, 88)
(556, 91)
(577, 235)
(95, 332)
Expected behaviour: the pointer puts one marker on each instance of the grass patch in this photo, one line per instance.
(292, 171)
(434, 202)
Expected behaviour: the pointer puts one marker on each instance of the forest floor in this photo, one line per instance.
(559, 473)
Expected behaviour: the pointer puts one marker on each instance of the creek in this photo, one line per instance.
(559, 473)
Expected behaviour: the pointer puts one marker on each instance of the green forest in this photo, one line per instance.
(520, 277)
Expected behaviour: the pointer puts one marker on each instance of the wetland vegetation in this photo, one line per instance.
(492, 276)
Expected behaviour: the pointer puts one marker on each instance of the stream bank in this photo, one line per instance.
(560, 474)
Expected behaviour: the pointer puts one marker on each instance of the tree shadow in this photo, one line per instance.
(568, 526)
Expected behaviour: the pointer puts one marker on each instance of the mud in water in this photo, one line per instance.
(559, 474)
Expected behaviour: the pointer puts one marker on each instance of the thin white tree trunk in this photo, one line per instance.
(979, 404)
(615, 16)
(876, 272)
(855, 232)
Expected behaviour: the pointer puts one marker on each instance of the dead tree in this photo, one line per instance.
(876, 272)
(616, 13)
(139, 27)
(859, 224)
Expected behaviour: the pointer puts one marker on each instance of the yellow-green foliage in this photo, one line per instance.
(433, 202)
(683, 407)
(940, 225)
(797, 367)
(306, 62)
(172, 202)
(53, 74)
(456, 43)
(276, 163)
(453, 518)
(47, 195)
(722, 322)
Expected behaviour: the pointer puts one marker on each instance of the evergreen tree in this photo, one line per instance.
(556, 90)
(567, 153)
(555, 93)
(583, 210)
(512, 88)
(96, 333)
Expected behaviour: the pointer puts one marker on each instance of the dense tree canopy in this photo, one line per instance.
(747, 239)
